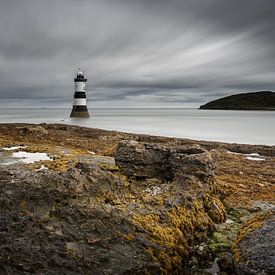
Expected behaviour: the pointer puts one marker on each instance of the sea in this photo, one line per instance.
(249, 127)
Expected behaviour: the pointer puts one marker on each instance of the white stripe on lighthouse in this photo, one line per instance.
(80, 86)
(80, 101)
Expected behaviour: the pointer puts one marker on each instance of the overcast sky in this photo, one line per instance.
(135, 53)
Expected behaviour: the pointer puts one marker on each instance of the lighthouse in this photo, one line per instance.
(80, 104)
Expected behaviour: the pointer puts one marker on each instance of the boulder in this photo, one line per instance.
(164, 162)
(143, 160)
(192, 162)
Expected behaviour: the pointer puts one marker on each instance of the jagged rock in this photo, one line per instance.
(153, 160)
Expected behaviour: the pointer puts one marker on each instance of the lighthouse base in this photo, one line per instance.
(80, 111)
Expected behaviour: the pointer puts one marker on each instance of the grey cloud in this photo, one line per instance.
(177, 51)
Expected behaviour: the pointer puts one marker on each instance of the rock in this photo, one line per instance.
(192, 162)
(143, 160)
(257, 248)
(76, 236)
(215, 269)
(201, 248)
(226, 262)
(165, 162)
(33, 130)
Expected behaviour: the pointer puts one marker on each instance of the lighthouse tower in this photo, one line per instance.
(80, 105)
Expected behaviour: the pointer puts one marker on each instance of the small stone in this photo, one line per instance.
(226, 262)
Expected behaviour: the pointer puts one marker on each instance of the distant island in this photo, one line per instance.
(264, 100)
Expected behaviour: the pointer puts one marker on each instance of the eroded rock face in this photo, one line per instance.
(152, 160)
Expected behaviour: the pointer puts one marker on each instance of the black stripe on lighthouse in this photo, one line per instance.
(79, 95)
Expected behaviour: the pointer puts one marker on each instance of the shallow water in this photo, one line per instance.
(21, 156)
(252, 127)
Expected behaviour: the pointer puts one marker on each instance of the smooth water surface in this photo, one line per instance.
(253, 127)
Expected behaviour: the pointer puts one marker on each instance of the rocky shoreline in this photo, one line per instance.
(107, 202)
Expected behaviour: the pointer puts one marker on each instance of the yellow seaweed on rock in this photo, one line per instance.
(215, 209)
(174, 230)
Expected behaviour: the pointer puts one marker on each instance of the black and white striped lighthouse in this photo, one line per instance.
(80, 104)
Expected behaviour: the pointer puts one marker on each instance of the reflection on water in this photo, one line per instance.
(254, 127)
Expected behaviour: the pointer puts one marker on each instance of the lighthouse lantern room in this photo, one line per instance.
(80, 104)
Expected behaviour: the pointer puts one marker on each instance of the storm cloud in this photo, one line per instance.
(135, 53)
